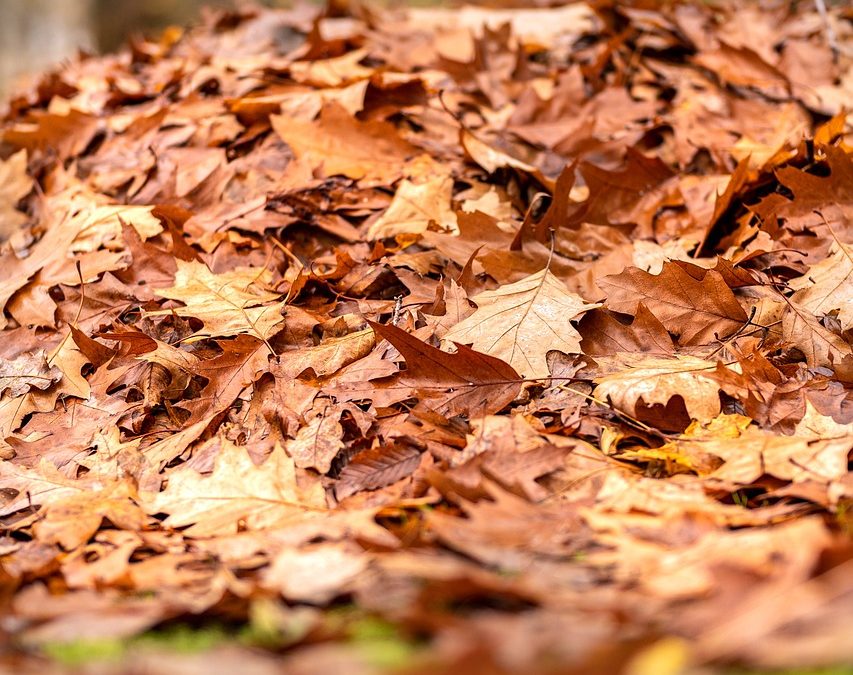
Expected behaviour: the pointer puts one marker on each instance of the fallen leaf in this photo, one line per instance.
(15, 184)
(654, 380)
(466, 382)
(519, 323)
(340, 144)
(232, 303)
(237, 494)
(699, 311)
(27, 371)
(376, 468)
(828, 286)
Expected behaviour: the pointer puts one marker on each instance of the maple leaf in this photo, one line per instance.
(237, 493)
(466, 382)
(698, 310)
(519, 323)
(228, 304)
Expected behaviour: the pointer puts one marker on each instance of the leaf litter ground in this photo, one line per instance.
(472, 340)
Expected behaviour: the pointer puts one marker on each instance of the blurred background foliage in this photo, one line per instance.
(37, 34)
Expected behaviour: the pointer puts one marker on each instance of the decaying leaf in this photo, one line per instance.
(654, 380)
(15, 184)
(27, 371)
(339, 144)
(828, 286)
(467, 382)
(698, 310)
(376, 468)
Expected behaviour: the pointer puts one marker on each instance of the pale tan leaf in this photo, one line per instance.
(415, 206)
(232, 303)
(329, 356)
(315, 574)
(237, 493)
(819, 345)
(651, 380)
(27, 371)
(828, 286)
(317, 443)
(519, 323)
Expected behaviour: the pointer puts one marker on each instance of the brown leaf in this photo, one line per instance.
(698, 311)
(15, 184)
(339, 144)
(376, 468)
(237, 493)
(466, 382)
(603, 333)
(232, 303)
(651, 380)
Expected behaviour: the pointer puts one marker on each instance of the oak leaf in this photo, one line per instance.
(749, 452)
(819, 345)
(317, 443)
(467, 382)
(697, 310)
(30, 370)
(232, 303)
(655, 380)
(15, 184)
(237, 494)
(341, 144)
(519, 323)
(329, 356)
(828, 285)
(415, 206)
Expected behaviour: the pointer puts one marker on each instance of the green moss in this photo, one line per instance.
(178, 638)
(380, 643)
(79, 652)
(183, 638)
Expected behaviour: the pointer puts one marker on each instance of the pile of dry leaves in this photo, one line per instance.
(524, 334)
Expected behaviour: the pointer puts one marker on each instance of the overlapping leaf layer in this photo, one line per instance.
(526, 333)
